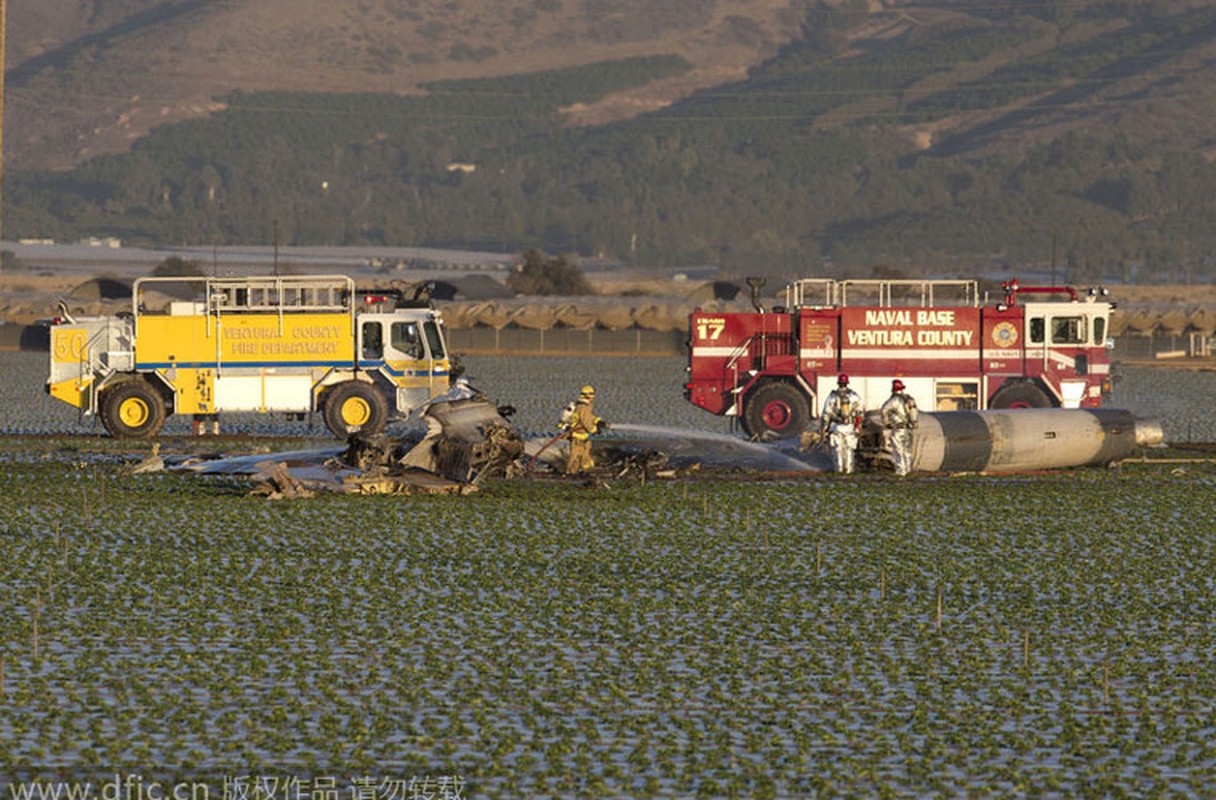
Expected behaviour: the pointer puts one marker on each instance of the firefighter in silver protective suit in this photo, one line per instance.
(841, 421)
(899, 418)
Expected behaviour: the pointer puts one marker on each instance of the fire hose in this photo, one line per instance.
(532, 461)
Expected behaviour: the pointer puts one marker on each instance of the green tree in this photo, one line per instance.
(178, 267)
(548, 275)
(10, 263)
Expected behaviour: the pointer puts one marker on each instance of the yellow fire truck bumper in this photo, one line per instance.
(72, 391)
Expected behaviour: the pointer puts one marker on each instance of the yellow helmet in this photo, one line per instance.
(587, 391)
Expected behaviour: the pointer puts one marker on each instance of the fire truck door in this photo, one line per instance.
(1036, 342)
(1068, 360)
(371, 343)
(1056, 340)
(406, 342)
(409, 364)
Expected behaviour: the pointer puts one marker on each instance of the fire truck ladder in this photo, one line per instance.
(828, 293)
(732, 364)
(769, 345)
(275, 294)
(281, 294)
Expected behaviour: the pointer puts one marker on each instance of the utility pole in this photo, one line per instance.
(1055, 239)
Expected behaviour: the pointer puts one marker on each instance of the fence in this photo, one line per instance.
(566, 341)
(1190, 344)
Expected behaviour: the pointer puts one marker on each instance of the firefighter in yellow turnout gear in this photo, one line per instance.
(579, 425)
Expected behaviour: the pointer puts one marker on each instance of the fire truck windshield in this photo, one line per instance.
(434, 340)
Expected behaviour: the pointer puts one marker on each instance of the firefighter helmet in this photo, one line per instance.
(587, 391)
(897, 385)
(843, 380)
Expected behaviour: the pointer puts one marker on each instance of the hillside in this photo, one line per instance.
(945, 137)
(88, 77)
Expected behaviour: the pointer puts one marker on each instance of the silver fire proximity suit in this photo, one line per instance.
(841, 420)
(899, 418)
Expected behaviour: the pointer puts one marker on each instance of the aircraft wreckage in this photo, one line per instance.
(469, 439)
(465, 439)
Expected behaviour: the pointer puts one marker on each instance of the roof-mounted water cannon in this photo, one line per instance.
(756, 284)
(1012, 289)
(415, 296)
(422, 297)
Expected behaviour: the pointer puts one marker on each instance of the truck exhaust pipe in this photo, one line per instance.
(756, 284)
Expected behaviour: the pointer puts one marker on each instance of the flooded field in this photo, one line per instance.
(1046, 634)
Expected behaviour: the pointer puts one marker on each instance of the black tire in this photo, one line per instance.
(775, 411)
(1020, 395)
(355, 407)
(132, 410)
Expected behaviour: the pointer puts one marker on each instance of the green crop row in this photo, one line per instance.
(1043, 634)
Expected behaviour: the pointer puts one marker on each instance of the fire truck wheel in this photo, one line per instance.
(355, 407)
(1020, 395)
(132, 410)
(775, 411)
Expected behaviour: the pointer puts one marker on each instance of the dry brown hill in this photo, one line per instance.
(89, 77)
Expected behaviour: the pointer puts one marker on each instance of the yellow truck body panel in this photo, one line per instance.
(245, 340)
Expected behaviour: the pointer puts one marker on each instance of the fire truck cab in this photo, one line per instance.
(1036, 347)
(208, 346)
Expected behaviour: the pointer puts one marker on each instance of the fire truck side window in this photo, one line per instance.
(1099, 331)
(373, 340)
(434, 340)
(1036, 330)
(1068, 330)
(405, 338)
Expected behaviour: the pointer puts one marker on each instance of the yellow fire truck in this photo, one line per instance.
(293, 344)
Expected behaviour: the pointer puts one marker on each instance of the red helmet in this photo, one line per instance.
(897, 385)
(843, 380)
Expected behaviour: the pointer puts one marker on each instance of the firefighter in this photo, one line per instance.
(841, 421)
(899, 418)
(579, 425)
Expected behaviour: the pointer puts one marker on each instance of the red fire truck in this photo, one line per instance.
(952, 349)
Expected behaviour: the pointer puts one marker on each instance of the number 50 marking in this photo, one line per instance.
(69, 345)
